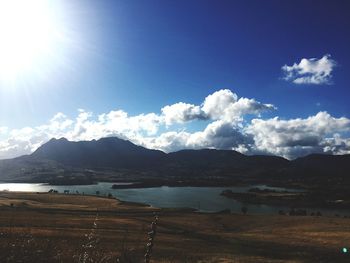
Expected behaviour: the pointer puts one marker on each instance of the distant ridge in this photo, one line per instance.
(116, 158)
(113, 152)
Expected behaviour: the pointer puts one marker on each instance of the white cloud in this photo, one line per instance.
(226, 129)
(221, 105)
(3, 130)
(84, 127)
(21, 141)
(336, 145)
(182, 112)
(310, 71)
(225, 105)
(296, 137)
(59, 122)
(167, 141)
(116, 123)
(217, 135)
(215, 105)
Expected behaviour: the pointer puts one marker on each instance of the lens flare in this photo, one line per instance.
(28, 32)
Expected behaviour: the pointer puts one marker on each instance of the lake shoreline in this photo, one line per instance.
(208, 199)
(130, 184)
(306, 200)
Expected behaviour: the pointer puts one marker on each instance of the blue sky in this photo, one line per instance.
(139, 56)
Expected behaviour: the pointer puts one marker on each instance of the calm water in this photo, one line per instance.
(205, 199)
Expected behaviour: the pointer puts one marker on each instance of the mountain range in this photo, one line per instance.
(114, 159)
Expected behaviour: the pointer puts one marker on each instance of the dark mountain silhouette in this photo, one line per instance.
(206, 158)
(108, 152)
(323, 161)
(224, 162)
(60, 158)
(117, 153)
(321, 165)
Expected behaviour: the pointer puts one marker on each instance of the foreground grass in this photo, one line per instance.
(72, 228)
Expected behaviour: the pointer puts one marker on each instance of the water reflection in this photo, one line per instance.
(206, 199)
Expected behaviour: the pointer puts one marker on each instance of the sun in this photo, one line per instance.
(28, 32)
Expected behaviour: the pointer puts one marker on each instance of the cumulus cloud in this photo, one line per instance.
(310, 71)
(224, 104)
(86, 126)
(20, 142)
(221, 105)
(217, 135)
(224, 112)
(336, 145)
(182, 112)
(26, 140)
(297, 137)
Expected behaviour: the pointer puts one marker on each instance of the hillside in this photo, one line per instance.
(109, 152)
(114, 159)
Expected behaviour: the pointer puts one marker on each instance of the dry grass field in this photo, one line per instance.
(74, 228)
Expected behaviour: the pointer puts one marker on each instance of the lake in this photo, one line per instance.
(205, 199)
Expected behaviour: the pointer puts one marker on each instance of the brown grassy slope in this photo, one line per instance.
(60, 228)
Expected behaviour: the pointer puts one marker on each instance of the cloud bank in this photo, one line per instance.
(298, 137)
(224, 115)
(310, 71)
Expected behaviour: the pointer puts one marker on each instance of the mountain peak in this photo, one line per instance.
(105, 152)
(54, 140)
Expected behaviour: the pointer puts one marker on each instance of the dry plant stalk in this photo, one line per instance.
(151, 236)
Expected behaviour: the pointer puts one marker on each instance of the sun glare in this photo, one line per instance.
(27, 35)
